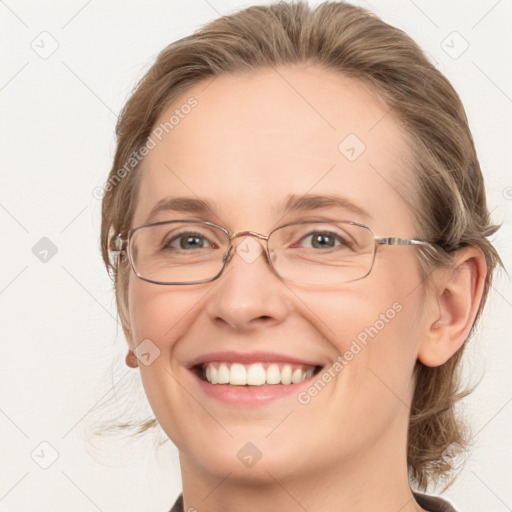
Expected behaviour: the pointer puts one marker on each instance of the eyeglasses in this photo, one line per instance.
(313, 252)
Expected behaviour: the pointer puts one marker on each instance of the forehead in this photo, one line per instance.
(252, 140)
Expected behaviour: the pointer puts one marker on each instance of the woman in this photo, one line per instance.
(296, 225)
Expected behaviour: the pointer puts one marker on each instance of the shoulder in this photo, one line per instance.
(433, 503)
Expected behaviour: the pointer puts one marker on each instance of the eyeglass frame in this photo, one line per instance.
(120, 243)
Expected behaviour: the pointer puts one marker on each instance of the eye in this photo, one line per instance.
(186, 241)
(326, 240)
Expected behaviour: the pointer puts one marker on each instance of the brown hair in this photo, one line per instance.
(451, 209)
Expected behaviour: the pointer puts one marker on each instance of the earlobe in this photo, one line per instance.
(456, 300)
(131, 360)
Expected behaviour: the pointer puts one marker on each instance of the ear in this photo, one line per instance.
(128, 333)
(131, 358)
(453, 305)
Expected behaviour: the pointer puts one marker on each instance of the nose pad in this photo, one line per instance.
(229, 254)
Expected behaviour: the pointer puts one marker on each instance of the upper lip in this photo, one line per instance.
(248, 358)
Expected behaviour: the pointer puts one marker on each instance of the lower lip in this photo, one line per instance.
(250, 395)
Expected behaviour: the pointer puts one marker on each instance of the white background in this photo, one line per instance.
(62, 349)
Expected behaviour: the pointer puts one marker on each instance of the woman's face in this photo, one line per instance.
(249, 143)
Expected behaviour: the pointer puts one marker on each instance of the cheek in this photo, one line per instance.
(373, 336)
(375, 328)
(163, 316)
(157, 312)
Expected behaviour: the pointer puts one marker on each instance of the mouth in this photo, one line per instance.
(256, 374)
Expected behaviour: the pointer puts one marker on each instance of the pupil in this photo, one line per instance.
(321, 238)
(185, 245)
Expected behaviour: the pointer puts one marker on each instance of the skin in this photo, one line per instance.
(252, 140)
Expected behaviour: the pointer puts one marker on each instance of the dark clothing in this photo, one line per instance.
(426, 501)
(178, 504)
(433, 503)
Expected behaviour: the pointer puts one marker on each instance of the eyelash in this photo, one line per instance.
(166, 244)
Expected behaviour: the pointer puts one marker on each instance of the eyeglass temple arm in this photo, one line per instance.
(394, 240)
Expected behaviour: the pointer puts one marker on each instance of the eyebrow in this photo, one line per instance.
(296, 203)
(292, 203)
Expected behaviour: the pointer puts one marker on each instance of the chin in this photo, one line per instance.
(249, 457)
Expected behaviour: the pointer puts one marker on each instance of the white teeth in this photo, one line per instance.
(296, 375)
(255, 374)
(286, 374)
(237, 375)
(223, 374)
(273, 374)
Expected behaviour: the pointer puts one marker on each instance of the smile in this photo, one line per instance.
(255, 374)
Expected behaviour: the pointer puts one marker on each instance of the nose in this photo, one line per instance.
(248, 292)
